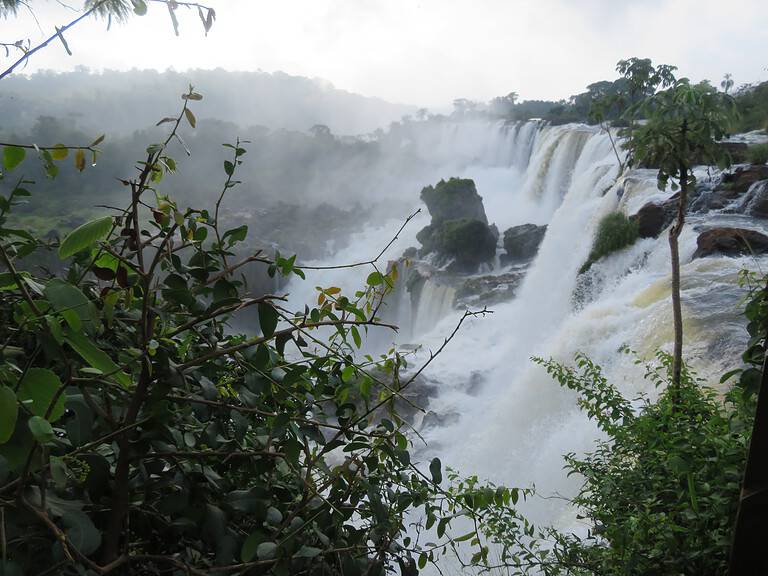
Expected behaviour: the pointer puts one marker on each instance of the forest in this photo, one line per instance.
(312, 332)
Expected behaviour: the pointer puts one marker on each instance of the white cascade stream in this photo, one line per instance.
(514, 427)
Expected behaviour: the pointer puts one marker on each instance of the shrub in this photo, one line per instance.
(758, 154)
(659, 493)
(141, 434)
(614, 232)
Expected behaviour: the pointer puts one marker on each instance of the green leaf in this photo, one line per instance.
(307, 552)
(9, 411)
(37, 391)
(435, 470)
(59, 152)
(266, 550)
(229, 168)
(12, 157)
(85, 236)
(41, 429)
(81, 532)
(356, 336)
(190, 117)
(80, 159)
(139, 7)
(59, 472)
(96, 357)
(375, 278)
(267, 319)
(235, 235)
(72, 304)
(250, 545)
(274, 516)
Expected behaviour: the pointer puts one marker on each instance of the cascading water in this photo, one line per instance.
(515, 425)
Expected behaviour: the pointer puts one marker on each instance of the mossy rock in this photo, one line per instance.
(454, 199)
(468, 242)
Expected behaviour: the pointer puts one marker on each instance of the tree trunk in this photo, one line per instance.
(677, 311)
(747, 551)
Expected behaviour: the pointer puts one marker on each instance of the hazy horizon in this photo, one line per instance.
(424, 53)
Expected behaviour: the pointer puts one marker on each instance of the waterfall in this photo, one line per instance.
(516, 423)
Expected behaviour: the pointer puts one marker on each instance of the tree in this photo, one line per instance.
(727, 82)
(684, 124)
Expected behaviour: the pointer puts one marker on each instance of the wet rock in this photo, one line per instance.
(730, 242)
(654, 217)
(755, 202)
(434, 420)
(742, 178)
(469, 243)
(459, 229)
(454, 199)
(489, 290)
(708, 199)
(522, 242)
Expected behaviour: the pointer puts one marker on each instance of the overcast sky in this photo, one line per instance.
(424, 52)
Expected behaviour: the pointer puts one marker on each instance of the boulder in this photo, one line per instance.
(654, 217)
(459, 228)
(756, 201)
(454, 199)
(489, 290)
(730, 242)
(468, 242)
(522, 242)
(741, 179)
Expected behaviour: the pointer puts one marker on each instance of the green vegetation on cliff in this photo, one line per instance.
(614, 232)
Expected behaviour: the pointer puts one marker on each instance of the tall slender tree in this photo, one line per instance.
(683, 126)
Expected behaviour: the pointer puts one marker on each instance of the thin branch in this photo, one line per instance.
(57, 35)
(367, 262)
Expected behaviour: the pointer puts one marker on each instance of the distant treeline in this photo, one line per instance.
(122, 102)
(751, 101)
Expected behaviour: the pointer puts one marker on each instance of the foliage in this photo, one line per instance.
(684, 124)
(752, 105)
(453, 199)
(661, 492)
(757, 154)
(141, 434)
(614, 232)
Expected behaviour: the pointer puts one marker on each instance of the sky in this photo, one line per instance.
(421, 52)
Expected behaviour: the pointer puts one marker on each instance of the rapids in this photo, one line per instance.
(514, 427)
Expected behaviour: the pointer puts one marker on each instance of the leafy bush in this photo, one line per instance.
(659, 493)
(139, 434)
(757, 154)
(614, 232)
(752, 104)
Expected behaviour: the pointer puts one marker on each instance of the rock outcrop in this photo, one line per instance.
(730, 242)
(459, 229)
(521, 243)
(454, 199)
(741, 179)
(755, 202)
(654, 217)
